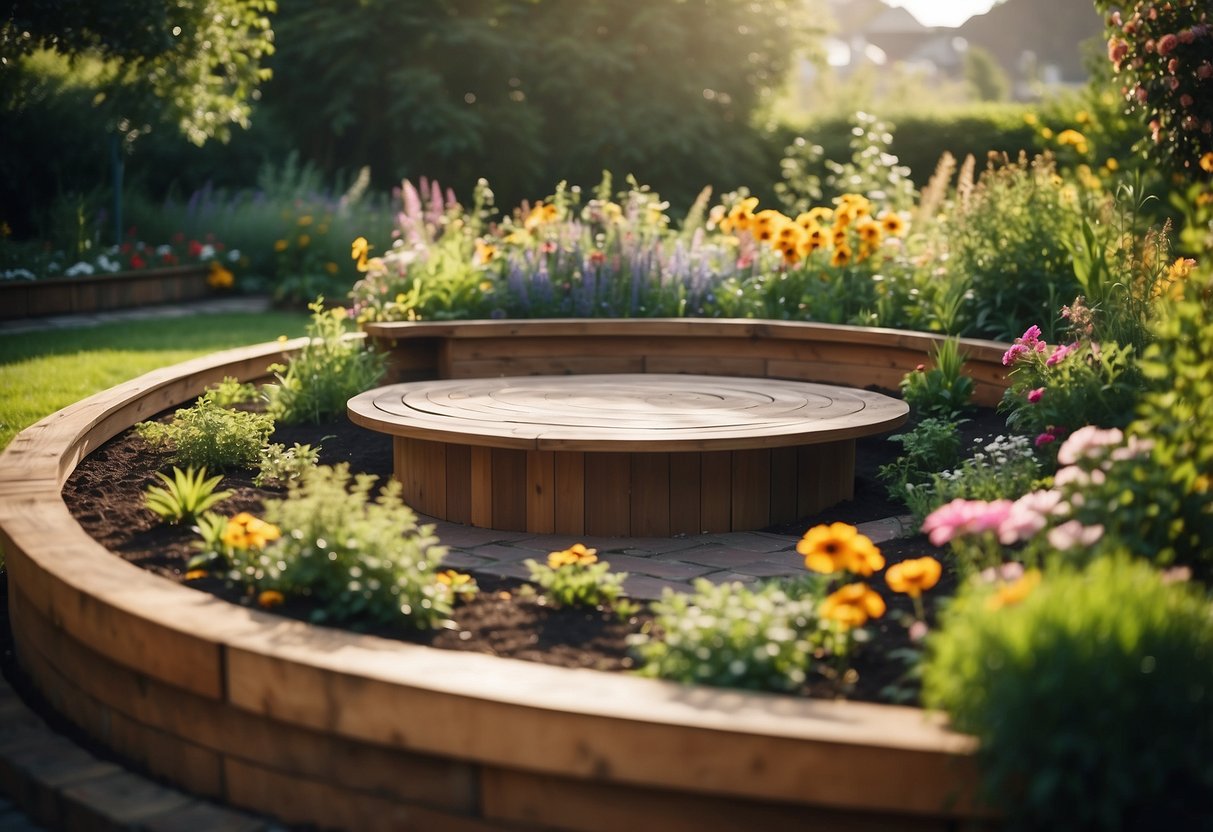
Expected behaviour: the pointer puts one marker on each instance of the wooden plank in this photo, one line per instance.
(540, 492)
(570, 492)
(406, 467)
(751, 489)
(784, 480)
(650, 495)
(704, 365)
(684, 494)
(552, 366)
(509, 492)
(809, 480)
(432, 458)
(537, 801)
(482, 487)
(608, 504)
(459, 483)
(716, 491)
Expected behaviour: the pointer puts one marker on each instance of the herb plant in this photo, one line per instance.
(942, 391)
(185, 495)
(208, 435)
(279, 464)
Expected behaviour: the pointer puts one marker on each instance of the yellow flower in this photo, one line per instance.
(282, 339)
(304, 240)
(869, 232)
(807, 221)
(893, 224)
(1111, 164)
(1206, 162)
(842, 256)
(270, 598)
(453, 579)
(305, 220)
(196, 574)
(219, 277)
(486, 286)
(1029, 118)
(767, 224)
(1046, 133)
(813, 241)
(821, 213)
(332, 268)
(6, 230)
(339, 313)
(575, 555)
(539, 215)
(485, 252)
(281, 245)
(244, 531)
(740, 217)
(1015, 592)
(839, 547)
(852, 605)
(912, 577)
(358, 251)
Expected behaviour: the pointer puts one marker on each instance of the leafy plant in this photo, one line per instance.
(732, 636)
(185, 495)
(574, 577)
(1090, 693)
(358, 557)
(208, 435)
(931, 446)
(231, 392)
(943, 390)
(1004, 467)
(279, 465)
(329, 370)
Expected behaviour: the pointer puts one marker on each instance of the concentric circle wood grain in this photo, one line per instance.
(626, 412)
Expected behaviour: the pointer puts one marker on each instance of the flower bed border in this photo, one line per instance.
(102, 292)
(338, 729)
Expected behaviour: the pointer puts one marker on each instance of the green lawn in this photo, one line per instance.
(43, 372)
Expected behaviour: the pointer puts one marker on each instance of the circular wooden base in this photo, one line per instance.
(624, 455)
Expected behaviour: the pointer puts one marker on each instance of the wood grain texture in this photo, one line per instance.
(608, 501)
(569, 514)
(650, 511)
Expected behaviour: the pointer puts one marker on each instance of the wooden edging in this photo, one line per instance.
(102, 292)
(337, 729)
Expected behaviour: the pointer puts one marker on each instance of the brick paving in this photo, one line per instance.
(652, 564)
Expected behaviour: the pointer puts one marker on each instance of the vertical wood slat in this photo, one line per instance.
(608, 503)
(684, 494)
(808, 488)
(650, 495)
(459, 483)
(509, 494)
(540, 492)
(407, 470)
(751, 488)
(482, 487)
(432, 459)
(716, 492)
(569, 468)
(783, 485)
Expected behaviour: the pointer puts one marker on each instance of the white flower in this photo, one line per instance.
(233, 255)
(79, 269)
(164, 249)
(207, 252)
(18, 274)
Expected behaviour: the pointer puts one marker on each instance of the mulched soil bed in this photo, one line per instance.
(105, 494)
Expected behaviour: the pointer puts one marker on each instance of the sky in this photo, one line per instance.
(943, 12)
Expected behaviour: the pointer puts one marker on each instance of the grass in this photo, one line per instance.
(46, 371)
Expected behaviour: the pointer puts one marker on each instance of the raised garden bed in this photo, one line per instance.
(338, 729)
(102, 292)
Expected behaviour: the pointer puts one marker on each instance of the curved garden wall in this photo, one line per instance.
(337, 729)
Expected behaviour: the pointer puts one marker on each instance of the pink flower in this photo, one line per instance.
(1073, 533)
(1030, 336)
(1117, 49)
(1085, 442)
(1132, 449)
(1028, 515)
(1010, 355)
(1059, 354)
(1044, 439)
(1167, 44)
(964, 517)
(1036, 395)
(1005, 573)
(1186, 36)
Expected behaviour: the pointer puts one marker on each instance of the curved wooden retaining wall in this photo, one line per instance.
(340, 730)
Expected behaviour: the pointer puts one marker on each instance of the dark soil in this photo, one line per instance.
(105, 494)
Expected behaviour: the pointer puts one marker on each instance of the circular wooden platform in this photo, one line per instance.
(638, 454)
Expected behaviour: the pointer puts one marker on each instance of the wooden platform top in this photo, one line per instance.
(626, 412)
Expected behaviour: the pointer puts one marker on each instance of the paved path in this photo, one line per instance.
(651, 563)
(146, 313)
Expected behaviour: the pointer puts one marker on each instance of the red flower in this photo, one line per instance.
(195, 248)
(137, 262)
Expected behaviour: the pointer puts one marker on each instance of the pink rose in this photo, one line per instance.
(1167, 44)
(1036, 395)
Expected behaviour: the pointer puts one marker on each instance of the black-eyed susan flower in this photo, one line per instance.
(852, 605)
(892, 223)
(913, 576)
(575, 555)
(839, 547)
(270, 598)
(842, 256)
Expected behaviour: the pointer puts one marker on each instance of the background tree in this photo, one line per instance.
(985, 77)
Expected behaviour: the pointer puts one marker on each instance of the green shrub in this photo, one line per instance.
(574, 577)
(330, 370)
(943, 390)
(733, 636)
(931, 446)
(1090, 697)
(358, 557)
(208, 435)
(279, 464)
(231, 392)
(184, 496)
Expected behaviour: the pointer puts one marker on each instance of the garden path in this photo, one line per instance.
(215, 306)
